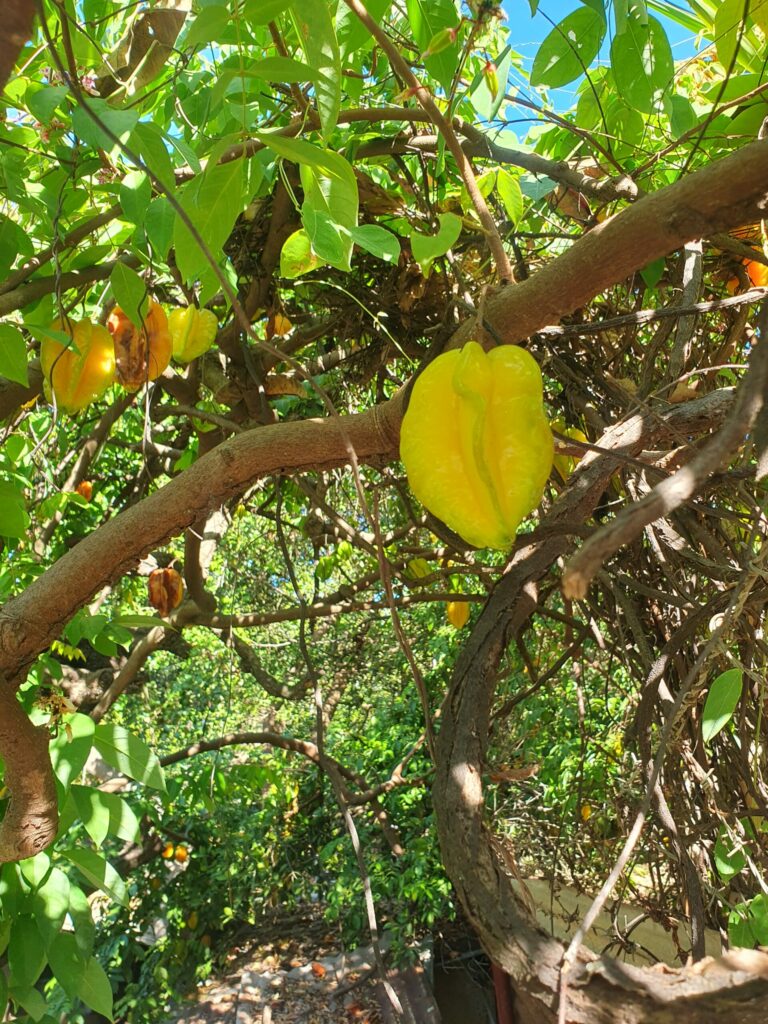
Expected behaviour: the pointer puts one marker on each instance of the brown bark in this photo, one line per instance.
(30, 822)
(15, 30)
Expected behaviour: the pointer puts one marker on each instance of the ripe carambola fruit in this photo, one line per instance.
(79, 374)
(141, 355)
(475, 441)
(457, 613)
(192, 332)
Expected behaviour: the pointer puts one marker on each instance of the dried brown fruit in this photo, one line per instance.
(166, 590)
(141, 355)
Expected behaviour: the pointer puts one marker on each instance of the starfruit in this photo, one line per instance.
(457, 613)
(757, 273)
(140, 355)
(165, 589)
(80, 373)
(193, 331)
(475, 441)
(565, 464)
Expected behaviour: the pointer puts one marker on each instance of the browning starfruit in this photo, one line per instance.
(165, 590)
(141, 355)
(80, 373)
(475, 442)
(193, 331)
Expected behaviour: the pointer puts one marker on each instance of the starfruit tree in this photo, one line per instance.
(237, 240)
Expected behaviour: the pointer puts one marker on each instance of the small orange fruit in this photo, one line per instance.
(181, 855)
(167, 851)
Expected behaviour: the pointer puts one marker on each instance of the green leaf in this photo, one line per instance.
(82, 919)
(728, 856)
(149, 140)
(130, 292)
(210, 26)
(282, 69)
(758, 918)
(129, 755)
(510, 193)
(100, 873)
(485, 103)
(30, 1000)
(44, 102)
(723, 696)
(68, 756)
(3, 995)
(261, 12)
(212, 202)
(682, 115)
(331, 164)
(329, 240)
(34, 869)
(728, 28)
(13, 355)
(317, 34)
(26, 954)
(351, 32)
(297, 257)
(50, 904)
(569, 49)
(105, 813)
(427, 248)
(159, 224)
(377, 241)
(653, 272)
(119, 123)
(642, 64)
(739, 930)
(14, 521)
(758, 12)
(427, 18)
(135, 195)
(67, 963)
(95, 990)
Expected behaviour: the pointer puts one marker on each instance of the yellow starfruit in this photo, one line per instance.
(80, 373)
(475, 441)
(193, 331)
(457, 613)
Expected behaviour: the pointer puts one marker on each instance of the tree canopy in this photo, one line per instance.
(241, 664)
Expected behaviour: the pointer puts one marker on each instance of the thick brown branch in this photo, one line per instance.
(719, 197)
(22, 296)
(31, 820)
(15, 30)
